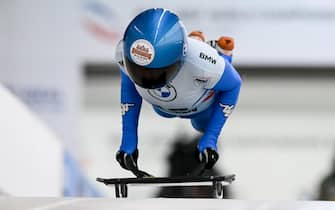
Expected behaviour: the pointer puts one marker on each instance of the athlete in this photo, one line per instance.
(181, 76)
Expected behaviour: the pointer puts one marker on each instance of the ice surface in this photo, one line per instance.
(12, 203)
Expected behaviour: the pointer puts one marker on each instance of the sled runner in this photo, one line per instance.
(217, 182)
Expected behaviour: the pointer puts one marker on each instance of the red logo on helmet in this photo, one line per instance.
(142, 52)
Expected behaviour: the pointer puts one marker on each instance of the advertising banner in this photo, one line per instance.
(266, 32)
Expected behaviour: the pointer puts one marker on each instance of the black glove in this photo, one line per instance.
(127, 161)
(208, 157)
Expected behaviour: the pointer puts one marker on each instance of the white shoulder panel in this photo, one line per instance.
(209, 65)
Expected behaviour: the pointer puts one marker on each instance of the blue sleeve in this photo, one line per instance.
(131, 103)
(228, 88)
(229, 58)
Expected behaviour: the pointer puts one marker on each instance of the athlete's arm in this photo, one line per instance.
(228, 88)
(131, 103)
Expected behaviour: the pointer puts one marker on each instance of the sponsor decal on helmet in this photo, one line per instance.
(142, 52)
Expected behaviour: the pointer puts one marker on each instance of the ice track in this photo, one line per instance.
(14, 203)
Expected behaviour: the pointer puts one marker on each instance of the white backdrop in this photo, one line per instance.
(31, 157)
(45, 44)
(271, 32)
(39, 63)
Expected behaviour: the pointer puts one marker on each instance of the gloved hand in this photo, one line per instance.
(127, 161)
(208, 157)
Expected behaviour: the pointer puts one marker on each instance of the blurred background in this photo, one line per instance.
(60, 122)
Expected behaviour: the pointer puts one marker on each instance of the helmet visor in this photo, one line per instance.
(151, 78)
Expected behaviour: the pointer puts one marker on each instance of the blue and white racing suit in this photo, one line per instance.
(205, 90)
